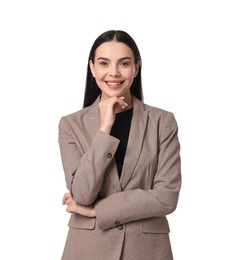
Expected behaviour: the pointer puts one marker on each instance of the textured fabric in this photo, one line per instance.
(101, 245)
(131, 211)
(147, 246)
(130, 243)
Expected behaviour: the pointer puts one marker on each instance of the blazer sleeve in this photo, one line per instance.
(84, 171)
(161, 200)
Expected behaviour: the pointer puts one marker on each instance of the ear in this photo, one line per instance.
(137, 67)
(91, 65)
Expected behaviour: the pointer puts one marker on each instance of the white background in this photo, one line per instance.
(186, 48)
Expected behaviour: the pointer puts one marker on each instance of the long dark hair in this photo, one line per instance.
(92, 91)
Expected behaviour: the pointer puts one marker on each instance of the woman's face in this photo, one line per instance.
(114, 69)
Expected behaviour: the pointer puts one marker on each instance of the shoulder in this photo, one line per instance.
(155, 110)
(155, 114)
(152, 110)
(140, 105)
(77, 119)
(77, 114)
(161, 116)
(82, 114)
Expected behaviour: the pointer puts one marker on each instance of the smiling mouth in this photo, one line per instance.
(114, 84)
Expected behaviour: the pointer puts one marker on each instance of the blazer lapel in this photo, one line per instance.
(135, 141)
(134, 145)
(112, 172)
(93, 123)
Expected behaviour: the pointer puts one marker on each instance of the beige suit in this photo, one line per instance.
(131, 211)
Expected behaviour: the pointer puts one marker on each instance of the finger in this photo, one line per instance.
(122, 99)
(122, 103)
(66, 196)
(68, 201)
(69, 210)
(64, 199)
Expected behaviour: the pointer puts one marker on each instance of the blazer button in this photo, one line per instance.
(118, 224)
(109, 155)
(120, 227)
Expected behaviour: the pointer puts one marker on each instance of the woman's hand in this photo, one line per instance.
(108, 109)
(73, 207)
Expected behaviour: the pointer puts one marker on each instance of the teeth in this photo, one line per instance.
(114, 83)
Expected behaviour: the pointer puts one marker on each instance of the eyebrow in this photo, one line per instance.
(124, 58)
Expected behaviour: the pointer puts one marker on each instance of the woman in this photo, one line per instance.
(121, 162)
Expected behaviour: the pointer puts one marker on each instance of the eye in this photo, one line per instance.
(103, 63)
(124, 63)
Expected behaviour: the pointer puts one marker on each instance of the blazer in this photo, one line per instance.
(131, 211)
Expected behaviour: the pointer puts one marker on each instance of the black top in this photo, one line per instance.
(120, 130)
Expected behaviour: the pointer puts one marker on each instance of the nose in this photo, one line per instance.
(114, 72)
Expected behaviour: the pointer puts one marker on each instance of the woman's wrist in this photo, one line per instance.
(93, 213)
(105, 129)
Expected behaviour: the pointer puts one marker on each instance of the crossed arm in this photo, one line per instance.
(74, 207)
(158, 201)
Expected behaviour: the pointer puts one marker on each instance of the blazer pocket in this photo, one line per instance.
(81, 222)
(157, 225)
